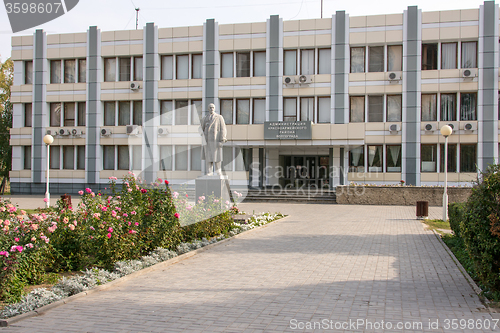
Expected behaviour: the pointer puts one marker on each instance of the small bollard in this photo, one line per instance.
(422, 209)
(66, 200)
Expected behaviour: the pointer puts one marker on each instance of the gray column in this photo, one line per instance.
(411, 95)
(342, 167)
(39, 106)
(150, 102)
(93, 105)
(488, 85)
(330, 169)
(340, 70)
(211, 68)
(262, 162)
(274, 69)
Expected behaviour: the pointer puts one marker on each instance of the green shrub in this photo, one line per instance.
(455, 215)
(480, 229)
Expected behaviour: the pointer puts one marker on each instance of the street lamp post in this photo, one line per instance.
(446, 132)
(48, 139)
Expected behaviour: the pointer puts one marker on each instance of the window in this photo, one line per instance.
(428, 154)
(243, 64)
(448, 107)
(226, 110)
(55, 114)
(28, 72)
(468, 158)
(69, 71)
(307, 109)
(393, 160)
(306, 62)
(324, 110)
(28, 114)
(166, 113)
(137, 117)
(290, 62)
(182, 67)
(69, 114)
(227, 65)
(110, 69)
(27, 158)
(242, 111)
(469, 54)
(324, 61)
(357, 109)
(181, 112)
(123, 158)
(452, 158)
(429, 107)
(290, 109)
(357, 59)
(394, 58)
(55, 154)
(167, 63)
(259, 110)
(55, 71)
(80, 157)
(123, 113)
(108, 157)
(124, 69)
(196, 112)
(165, 158)
(138, 69)
(375, 108)
(241, 159)
(429, 56)
(82, 70)
(181, 157)
(468, 104)
(136, 157)
(68, 157)
(196, 71)
(195, 158)
(448, 55)
(82, 107)
(259, 63)
(227, 158)
(357, 159)
(376, 59)
(375, 158)
(109, 113)
(393, 107)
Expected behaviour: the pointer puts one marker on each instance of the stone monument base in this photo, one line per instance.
(215, 185)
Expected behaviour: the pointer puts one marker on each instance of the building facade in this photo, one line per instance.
(373, 92)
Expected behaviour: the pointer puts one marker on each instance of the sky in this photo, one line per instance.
(110, 15)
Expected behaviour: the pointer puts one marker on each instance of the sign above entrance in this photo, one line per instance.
(288, 130)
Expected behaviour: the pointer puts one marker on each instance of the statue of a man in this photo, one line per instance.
(214, 131)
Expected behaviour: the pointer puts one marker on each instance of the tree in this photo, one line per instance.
(6, 80)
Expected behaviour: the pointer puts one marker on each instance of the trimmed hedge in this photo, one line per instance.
(456, 214)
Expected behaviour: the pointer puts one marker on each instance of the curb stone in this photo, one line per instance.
(163, 264)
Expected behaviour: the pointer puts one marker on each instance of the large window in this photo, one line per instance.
(468, 104)
(289, 109)
(226, 110)
(469, 54)
(227, 65)
(123, 157)
(67, 157)
(27, 157)
(242, 111)
(375, 158)
(376, 59)
(197, 66)
(126, 67)
(259, 110)
(138, 69)
(357, 59)
(183, 64)
(167, 63)
(375, 108)
(468, 158)
(429, 107)
(448, 107)
(182, 67)
(448, 55)
(259, 63)
(244, 63)
(55, 114)
(393, 158)
(70, 71)
(110, 69)
(28, 72)
(28, 114)
(181, 157)
(181, 112)
(136, 157)
(324, 61)
(108, 157)
(195, 158)
(306, 62)
(290, 62)
(55, 71)
(82, 70)
(165, 158)
(393, 107)
(357, 159)
(324, 110)
(307, 108)
(452, 158)
(55, 157)
(394, 58)
(428, 155)
(122, 113)
(429, 56)
(357, 109)
(68, 114)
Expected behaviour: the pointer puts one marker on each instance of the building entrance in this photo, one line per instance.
(304, 171)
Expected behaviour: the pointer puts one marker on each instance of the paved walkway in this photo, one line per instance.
(360, 267)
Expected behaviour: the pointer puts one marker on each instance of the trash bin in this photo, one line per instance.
(422, 209)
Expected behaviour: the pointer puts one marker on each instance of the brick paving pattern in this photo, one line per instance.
(324, 263)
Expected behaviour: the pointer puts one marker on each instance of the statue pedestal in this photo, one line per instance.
(216, 185)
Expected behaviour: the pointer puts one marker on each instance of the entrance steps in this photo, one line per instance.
(291, 195)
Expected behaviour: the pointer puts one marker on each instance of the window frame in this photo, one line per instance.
(435, 61)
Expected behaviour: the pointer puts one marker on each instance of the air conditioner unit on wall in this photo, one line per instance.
(430, 127)
(305, 79)
(64, 132)
(162, 131)
(394, 76)
(134, 85)
(105, 132)
(394, 128)
(289, 79)
(469, 73)
(51, 132)
(469, 126)
(76, 132)
(134, 129)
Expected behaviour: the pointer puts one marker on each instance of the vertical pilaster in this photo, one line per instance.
(211, 67)
(40, 120)
(340, 68)
(412, 45)
(93, 105)
(274, 69)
